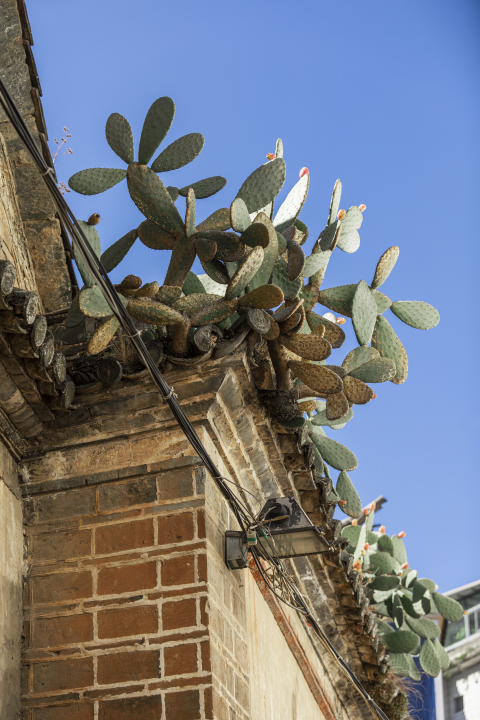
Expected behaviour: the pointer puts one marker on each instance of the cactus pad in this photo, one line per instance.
(356, 391)
(179, 153)
(417, 314)
(286, 311)
(388, 345)
(399, 550)
(230, 248)
(154, 237)
(339, 299)
(167, 294)
(152, 199)
(308, 347)
(239, 216)
(364, 313)
(322, 380)
(296, 260)
(402, 641)
(337, 406)
(448, 608)
(94, 241)
(216, 312)
(114, 255)
(321, 419)
(349, 240)
(385, 583)
(148, 290)
(152, 312)
(428, 659)
(358, 357)
(335, 202)
(442, 654)
(382, 563)
(246, 270)
(190, 304)
(103, 335)
(181, 260)
(302, 235)
(92, 303)
(333, 332)
(290, 288)
(256, 235)
(218, 221)
(383, 302)
(375, 371)
(399, 664)
(192, 284)
(293, 203)
(316, 262)
(190, 214)
(119, 137)
(263, 185)
(206, 249)
(385, 266)
(262, 298)
(95, 180)
(335, 454)
(205, 188)
(173, 192)
(216, 270)
(262, 277)
(424, 627)
(74, 316)
(156, 126)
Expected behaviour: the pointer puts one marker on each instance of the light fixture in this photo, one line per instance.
(283, 530)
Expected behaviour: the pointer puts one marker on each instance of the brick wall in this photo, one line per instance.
(116, 607)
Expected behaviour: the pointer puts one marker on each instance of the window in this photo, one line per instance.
(458, 704)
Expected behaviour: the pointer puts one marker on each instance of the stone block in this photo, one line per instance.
(126, 666)
(129, 578)
(176, 485)
(127, 494)
(127, 621)
(69, 504)
(62, 675)
(123, 536)
(180, 659)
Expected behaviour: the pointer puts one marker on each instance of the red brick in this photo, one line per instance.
(178, 571)
(62, 675)
(114, 581)
(146, 708)
(127, 621)
(177, 682)
(202, 568)
(183, 705)
(179, 614)
(123, 536)
(77, 711)
(208, 703)
(121, 690)
(181, 659)
(206, 660)
(61, 587)
(175, 528)
(62, 630)
(201, 525)
(61, 545)
(125, 666)
(176, 485)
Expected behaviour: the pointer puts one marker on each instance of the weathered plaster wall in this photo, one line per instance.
(11, 550)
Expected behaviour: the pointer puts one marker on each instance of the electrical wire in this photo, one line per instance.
(242, 514)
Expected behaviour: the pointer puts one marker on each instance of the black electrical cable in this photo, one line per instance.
(95, 267)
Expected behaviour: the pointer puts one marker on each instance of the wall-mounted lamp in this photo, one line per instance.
(283, 531)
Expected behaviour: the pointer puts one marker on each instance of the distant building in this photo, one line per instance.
(457, 690)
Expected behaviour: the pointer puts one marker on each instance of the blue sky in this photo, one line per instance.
(382, 94)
